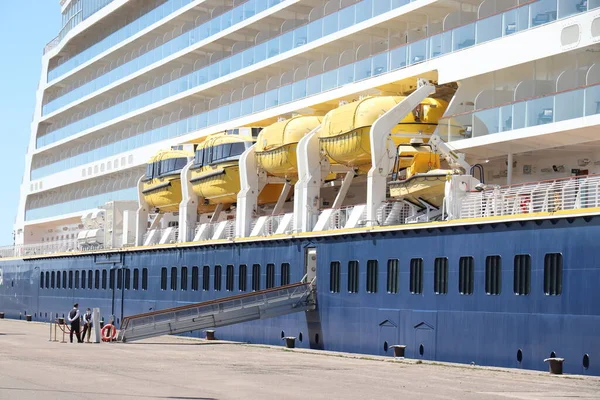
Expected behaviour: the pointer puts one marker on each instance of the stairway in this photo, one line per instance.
(231, 310)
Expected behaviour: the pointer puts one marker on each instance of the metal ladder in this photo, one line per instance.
(231, 310)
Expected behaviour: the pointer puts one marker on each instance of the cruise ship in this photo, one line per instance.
(358, 175)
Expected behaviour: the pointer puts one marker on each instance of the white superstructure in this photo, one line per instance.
(126, 78)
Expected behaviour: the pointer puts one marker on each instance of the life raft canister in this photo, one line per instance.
(109, 333)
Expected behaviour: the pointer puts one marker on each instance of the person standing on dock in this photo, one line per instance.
(74, 321)
(87, 325)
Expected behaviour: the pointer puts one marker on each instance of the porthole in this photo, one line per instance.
(385, 346)
(586, 361)
(300, 336)
(553, 355)
(282, 334)
(421, 350)
(519, 355)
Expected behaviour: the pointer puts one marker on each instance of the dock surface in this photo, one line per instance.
(32, 367)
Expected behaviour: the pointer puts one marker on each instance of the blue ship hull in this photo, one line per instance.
(480, 328)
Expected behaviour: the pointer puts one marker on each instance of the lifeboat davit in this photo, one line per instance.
(162, 182)
(276, 145)
(345, 134)
(215, 175)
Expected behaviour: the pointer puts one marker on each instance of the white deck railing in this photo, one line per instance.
(546, 196)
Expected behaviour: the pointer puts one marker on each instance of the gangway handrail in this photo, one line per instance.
(125, 320)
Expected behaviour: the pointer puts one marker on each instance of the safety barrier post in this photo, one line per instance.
(64, 327)
(96, 324)
(50, 328)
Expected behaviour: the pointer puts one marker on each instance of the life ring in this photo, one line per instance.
(109, 333)
(525, 201)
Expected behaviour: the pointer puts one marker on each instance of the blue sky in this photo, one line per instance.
(25, 28)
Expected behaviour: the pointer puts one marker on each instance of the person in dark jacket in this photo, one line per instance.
(75, 324)
(87, 325)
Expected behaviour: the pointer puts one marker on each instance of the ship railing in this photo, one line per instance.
(7, 251)
(545, 196)
(269, 225)
(394, 213)
(32, 249)
(341, 218)
(215, 230)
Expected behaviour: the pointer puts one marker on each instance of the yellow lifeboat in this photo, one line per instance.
(215, 174)
(422, 177)
(276, 145)
(345, 134)
(162, 182)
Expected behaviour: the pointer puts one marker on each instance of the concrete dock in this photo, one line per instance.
(32, 367)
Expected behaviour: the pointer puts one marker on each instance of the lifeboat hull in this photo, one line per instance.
(163, 194)
(428, 186)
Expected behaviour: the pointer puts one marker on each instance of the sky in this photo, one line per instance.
(25, 28)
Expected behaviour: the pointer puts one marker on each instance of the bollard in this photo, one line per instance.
(399, 350)
(64, 328)
(210, 334)
(290, 342)
(555, 365)
(28, 318)
(1, 315)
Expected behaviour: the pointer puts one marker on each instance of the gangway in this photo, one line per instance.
(262, 304)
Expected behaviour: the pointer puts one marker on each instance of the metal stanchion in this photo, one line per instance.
(50, 328)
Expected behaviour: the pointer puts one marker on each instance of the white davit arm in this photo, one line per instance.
(456, 160)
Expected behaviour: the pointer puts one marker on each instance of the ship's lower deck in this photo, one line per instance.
(505, 294)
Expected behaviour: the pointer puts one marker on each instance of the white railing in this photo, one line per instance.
(394, 213)
(546, 196)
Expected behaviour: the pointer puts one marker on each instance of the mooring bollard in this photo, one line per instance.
(210, 334)
(28, 318)
(290, 342)
(1, 315)
(555, 365)
(399, 350)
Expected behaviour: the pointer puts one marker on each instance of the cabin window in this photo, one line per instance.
(173, 278)
(53, 280)
(163, 278)
(372, 267)
(353, 276)
(217, 281)
(97, 279)
(195, 278)
(522, 275)
(243, 278)
(184, 278)
(104, 279)
(206, 278)
(553, 266)
(466, 275)
(90, 280)
(255, 277)
(334, 277)
(127, 278)
(64, 280)
(83, 279)
(136, 279)
(270, 276)
(229, 278)
(493, 275)
(58, 279)
(440, 275)
(47, 279)
(285, 274)
(41, 280)
(416, 276)
(111, 280)
(70, 279)
(77, 279)
(392, 276)
(119, 278)
(145, 279)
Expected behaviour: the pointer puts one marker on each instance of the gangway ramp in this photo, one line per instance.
(231, 310)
